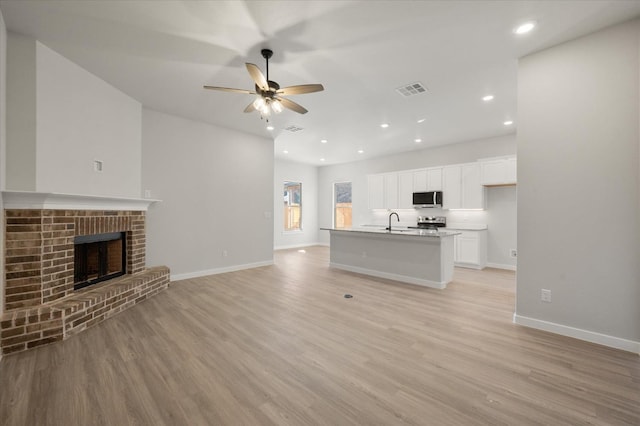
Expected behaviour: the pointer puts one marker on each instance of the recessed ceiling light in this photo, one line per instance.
(323, 141)
(360, 151)
(417, 140)
(487, 98)
(269, 128)
(322, 159)
(421, 120)
(524, 28)
(508, 123)
(285, 151)
(384, 125)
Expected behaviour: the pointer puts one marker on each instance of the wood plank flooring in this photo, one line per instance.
(280, 345)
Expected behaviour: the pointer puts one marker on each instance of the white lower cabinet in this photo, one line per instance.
(470, 249)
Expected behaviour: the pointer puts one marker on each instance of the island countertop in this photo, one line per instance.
(405, 232)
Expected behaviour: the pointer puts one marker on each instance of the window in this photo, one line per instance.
(342, 205)
(293, 206)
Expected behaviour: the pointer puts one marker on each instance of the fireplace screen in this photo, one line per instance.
(98, 258)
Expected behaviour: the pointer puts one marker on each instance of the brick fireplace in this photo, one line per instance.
(40, 303)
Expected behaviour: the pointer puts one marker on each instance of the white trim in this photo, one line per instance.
(469, 265)
(58, 201)
(577, 333)
(215, 271)
(292, 246)
(389, 276)
(501, 266)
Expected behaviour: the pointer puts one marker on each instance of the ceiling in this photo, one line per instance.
(162, 53)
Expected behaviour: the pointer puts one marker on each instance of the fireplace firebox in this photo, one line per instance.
(98, 258)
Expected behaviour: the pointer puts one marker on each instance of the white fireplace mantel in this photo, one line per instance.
(57, 201)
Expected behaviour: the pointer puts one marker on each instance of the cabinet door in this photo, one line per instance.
(501, 171)
(376, 191)
(468, 250)
(405, 190)
(420, 181)
(472, 189)
(451, 187)
(390, 190)
(492, 172)
(434, 179)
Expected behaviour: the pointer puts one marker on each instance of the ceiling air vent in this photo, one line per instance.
(411, 89)
(293, 128)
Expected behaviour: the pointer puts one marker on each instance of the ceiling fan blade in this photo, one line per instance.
(250, 108)
(292, 105)
(228, 89)
(257, 77)
(300, 89)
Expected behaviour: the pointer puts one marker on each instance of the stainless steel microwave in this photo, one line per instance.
(427, 199)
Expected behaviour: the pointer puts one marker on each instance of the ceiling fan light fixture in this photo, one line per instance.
(259, 103)
(276, 106)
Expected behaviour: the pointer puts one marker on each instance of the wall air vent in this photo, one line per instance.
(411, 89)
(293, 128)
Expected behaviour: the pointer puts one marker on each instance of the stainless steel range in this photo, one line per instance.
(430, 222)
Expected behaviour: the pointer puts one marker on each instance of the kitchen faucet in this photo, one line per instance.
(398, 217)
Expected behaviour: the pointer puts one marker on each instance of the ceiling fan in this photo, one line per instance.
(270, 95)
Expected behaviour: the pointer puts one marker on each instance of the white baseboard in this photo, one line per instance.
(389, 276)
(215, 271)
(502, 266)
(577, 333)
(293, 246)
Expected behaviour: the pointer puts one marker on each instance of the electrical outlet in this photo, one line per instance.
(97, 166)
(147, 193)
(364, 254)
(545, 295)
(513, 253)
(224, 253)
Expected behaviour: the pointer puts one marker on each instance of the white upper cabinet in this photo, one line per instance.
(420, 180)
(376, 191)
(434, 179)
(472, 189)
(427, 180)
(405, 190)
(461, 188)
(452, 187)
(461, 184)
(498, 171)
(390, 190)
(383, 191)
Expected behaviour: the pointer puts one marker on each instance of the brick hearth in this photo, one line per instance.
(41, 305)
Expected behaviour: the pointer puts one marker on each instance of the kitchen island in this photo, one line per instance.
(421, 257)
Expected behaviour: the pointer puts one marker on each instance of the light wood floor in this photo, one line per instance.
(280, 345)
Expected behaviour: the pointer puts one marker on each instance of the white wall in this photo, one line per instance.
(357, 174)
(579, 187)
(81, 118)
(308, 175)
(216, 187)
(60, 119)
(21, 113)
(501, 218)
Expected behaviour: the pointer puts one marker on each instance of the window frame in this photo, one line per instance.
(334, 203)
(287, 184)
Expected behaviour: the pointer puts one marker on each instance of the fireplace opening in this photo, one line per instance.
(98, 258)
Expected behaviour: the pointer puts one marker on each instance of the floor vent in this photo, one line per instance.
(293, 128)
(411, 89)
